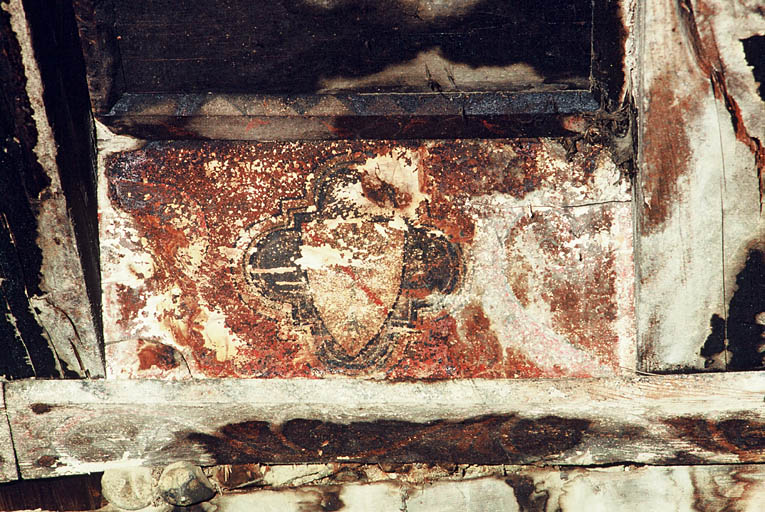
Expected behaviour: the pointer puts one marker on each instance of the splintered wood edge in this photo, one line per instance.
(74, 427)
(8, 470)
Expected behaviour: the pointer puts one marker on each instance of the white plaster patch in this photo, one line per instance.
(74, 466)
(217, 336)
(523, 330)
(399, 169)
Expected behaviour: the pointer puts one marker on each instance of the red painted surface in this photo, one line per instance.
(401, 261)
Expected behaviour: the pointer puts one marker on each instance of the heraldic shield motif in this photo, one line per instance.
(354, 270)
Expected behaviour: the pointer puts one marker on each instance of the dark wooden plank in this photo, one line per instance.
(80, 492)
(22, 180)
(77, 426)
(349, 116)
(610, 32)
(284, 47)
(27, 351)
(354, 47)
(48, 216)
(95, 22)
(59, 58)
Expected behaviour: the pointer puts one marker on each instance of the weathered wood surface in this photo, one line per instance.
(283, 47)
(7, 456)
(349, 115)
(354, 487)
(26, 351)
(104, 73)
(699, 250)
(438, 57)
(46, 311)
(74, 427)
(651, 489)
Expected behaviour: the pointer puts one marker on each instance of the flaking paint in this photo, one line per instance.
(188, 211)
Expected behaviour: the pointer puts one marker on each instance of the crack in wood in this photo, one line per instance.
(709, 62)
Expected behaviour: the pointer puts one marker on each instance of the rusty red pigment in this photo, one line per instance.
(157, 355)
(385, 260)
(667, 150)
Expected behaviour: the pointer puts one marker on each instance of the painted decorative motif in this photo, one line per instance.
(354, 271)
(406, 260)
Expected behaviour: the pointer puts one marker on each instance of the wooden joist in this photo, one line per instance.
(417, 488)
(729, 487)
(699, 195)
(74, 427)
(49, 276)
(7, 456)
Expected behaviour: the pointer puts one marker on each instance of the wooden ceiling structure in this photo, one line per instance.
(98, 95)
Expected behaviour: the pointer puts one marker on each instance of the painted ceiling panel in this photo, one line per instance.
(406, 260)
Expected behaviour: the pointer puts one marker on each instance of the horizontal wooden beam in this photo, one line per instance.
(73, 427)
(349, 115)
(419, 488)
(697, 488)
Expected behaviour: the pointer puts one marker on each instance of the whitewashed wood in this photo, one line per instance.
(7, 456)
(649, 489)
(508, 488)
(691, 68)
(83, 426)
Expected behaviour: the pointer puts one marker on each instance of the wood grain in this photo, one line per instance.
(8, 470)
(350, 115)
(78, 492)
(288, 47)
(354, 487)
(426, 54)
(106, 80)
(679, 488)
(75, 427)
(698, 188)
(26, 351)
(45, 253)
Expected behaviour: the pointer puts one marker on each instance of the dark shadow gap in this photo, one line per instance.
(754, 50)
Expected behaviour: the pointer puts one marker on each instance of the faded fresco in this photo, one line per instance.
(412, 260)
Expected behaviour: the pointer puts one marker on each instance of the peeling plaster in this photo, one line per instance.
(313, 238)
